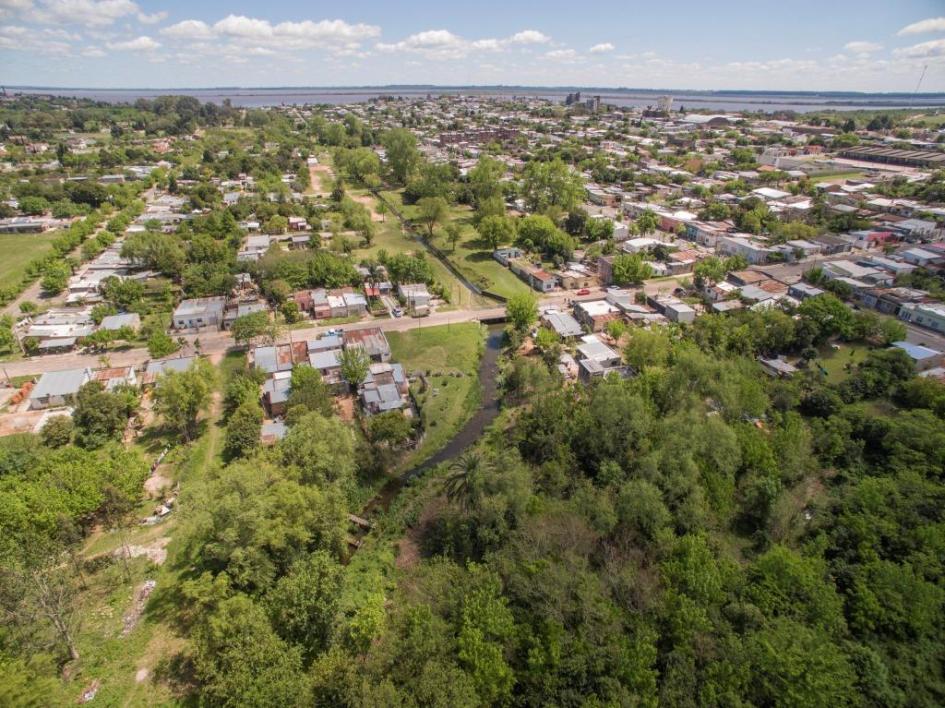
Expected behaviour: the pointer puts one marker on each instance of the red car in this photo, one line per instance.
(583, 291)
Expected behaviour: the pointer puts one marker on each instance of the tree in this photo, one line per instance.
(240, 660)
(453, 235)
(160, 344)
(496, 230)
(246, 328)
(57, 431)
(402, 154)
(277, 224)
(181, 396)
(391, 428)
(354, 365)
(309, 391)
(484, 178)
(647, 222)
(522, 310)
(55, 278)
(432, 211)
(459, 484)
(243, 431)
(630, 269)
(303, 604)
(538, 232)
(552, 184)
(99, 415)
(321, 448)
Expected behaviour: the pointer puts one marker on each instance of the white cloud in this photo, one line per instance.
(933, 24)
(336, 35)
(602, 48)
(442, 44)
(93, 52)
(862, 47)
(925, 50)
(91, 13)
(138, 44)
(560, 54)
(188, 29)
(529, 37)
(151, 19)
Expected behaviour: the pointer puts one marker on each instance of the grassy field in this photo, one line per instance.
(391, 238)
(18, 250)
(472, 257)
(835, 360)
(836, 176)
(448, 400)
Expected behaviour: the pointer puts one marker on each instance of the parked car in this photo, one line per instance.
(583, 291)
(398, 312)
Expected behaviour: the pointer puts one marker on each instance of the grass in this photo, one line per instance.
(834, 176)
(18, 250)
(835, 361)
(108, 657)
(447, 401)
(392, 239)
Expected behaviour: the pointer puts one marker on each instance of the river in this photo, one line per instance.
(762, 101)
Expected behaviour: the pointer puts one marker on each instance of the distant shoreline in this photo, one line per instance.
(731, 100)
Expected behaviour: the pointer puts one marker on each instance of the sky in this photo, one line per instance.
(845, 45)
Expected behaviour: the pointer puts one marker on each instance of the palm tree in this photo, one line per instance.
(459, 484)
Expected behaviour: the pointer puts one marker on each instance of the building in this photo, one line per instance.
(385, 389)
(199, 313)
(58, 388)
(595, 314)
(561, 323)
(280, 357)
(778, 368)
(371, 340)
(276, 390)
(415, 296)
(115, 322)
(596, 359)
(157, 367)
(924, 358)
(930, 315)
(506, 255)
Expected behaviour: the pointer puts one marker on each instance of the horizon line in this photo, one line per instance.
(453, 87)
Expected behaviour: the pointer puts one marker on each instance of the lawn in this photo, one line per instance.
(835, 361)
(448, 356)
(18, 250)
(836, 176)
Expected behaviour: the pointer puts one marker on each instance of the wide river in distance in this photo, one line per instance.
(698, 100)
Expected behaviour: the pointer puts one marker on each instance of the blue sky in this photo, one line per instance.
(865, 45)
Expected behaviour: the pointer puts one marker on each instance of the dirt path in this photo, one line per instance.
(368, 201)
(314, 173)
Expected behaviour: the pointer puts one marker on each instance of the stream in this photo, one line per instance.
(466, 436)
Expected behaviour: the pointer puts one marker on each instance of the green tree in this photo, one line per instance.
(160, 344)
(552, 184)
(630, 269)
(99, 415)
(522, 310)
(181, 396)
(321, 448)
(57, 431)
(243, 431)
(496, 230)
(647, 222)
(248, 327)
(355, 365)
(432, 211)
(403, 158)
(309, 391)
(55, 278)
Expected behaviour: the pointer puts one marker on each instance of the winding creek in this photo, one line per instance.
(465, 437)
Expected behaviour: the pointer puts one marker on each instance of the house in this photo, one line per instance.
(157, 367)
(328, 363)
(276, 393)
(114, 377)
(536, 277)
(113, 323)
(58, 388)
(371, 340)
(596, 359)
(930, 315)
(272, 432)
(924, 358)
(802, 291)
(674, 309)
(199, 312)
(753, 250)
(415, 296)
(575, 276)
(280, 357)
(866, 274)
(561, 323)
(921, 257)
(595, 314)
(778, 368)
(507, 255)
(385, 389)
(235, 310)
(313, 302)
(889, 301)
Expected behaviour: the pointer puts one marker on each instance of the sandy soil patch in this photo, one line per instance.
(134, 613)
(156, 551)
(368, 201)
